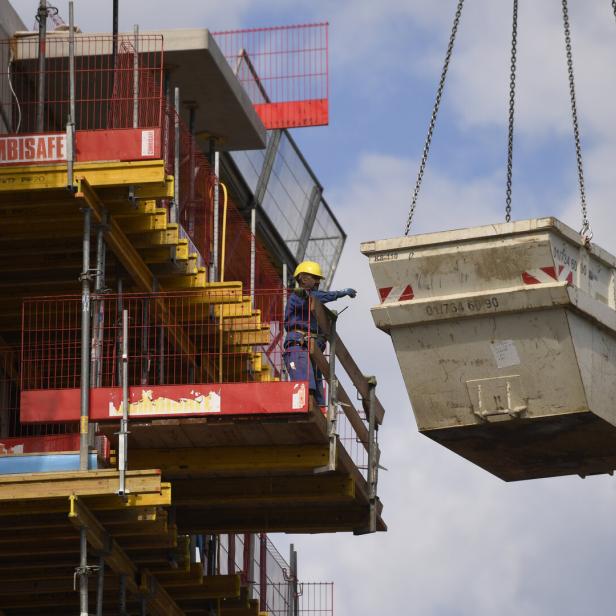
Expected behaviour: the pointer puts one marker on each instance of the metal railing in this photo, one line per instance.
(211, 336)
(271, 579)
(124, 91)
(284, 70)
(356, 432)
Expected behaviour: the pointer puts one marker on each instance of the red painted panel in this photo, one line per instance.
(62, 405)
(294, 114)
(90, 146)
(119, 144)
(51, 443)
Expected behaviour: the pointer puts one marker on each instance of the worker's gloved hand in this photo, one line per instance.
(350, 292)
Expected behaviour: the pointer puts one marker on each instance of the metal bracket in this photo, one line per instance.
(497, 398)
(86, 571)
(90, 275)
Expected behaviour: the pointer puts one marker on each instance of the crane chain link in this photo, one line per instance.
(614, 7)
(585, 231)
(514, 51)
(437, 104)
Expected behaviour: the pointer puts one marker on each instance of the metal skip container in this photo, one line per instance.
(506, 339)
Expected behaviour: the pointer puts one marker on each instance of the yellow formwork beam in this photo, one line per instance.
(243, 338)
(50, 177)
(241, 309)
(245, 460)
(146, 223)
(116, 239)
(162, 254)
(180, 282)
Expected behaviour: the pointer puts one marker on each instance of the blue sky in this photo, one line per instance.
(460, 541)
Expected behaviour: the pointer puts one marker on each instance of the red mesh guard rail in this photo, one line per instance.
(211, 336)
(196, 211)
(196, 183)
(284, 71)
(125, 93)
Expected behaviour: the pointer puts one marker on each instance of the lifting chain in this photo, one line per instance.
(614, 7)
(437, 104)
(514, 51)
(585, 231)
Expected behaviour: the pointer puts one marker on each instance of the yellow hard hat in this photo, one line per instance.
(308, 267)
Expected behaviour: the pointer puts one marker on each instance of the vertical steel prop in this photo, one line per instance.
(41, 17)
(70, 125)
(98, 306)
(123, 434)
(83, 577)
(122, 598)
(294, 588)
(114, 29)
(373, 453)
(262, 572)
(216, 236)
(253, 253)
(101, 585)
(136, 76)
(85, 343)
(175, 211)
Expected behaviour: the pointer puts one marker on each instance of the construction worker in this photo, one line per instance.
(301, 325)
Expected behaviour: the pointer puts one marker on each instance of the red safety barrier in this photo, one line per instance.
(284, 70)
(189, 353)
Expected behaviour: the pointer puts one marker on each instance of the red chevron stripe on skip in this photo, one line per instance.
(407, 293)
(384, 292)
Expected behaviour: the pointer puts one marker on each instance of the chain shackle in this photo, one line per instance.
(512, 73)
(437, 104)
(585, 231)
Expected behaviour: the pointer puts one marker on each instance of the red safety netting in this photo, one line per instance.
(284, 70)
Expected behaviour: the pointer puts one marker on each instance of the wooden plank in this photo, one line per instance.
(304, 519)
(262, 491)
(203, 461)
(212, 587)
(57, 485)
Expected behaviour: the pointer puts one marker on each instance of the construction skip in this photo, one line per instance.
(506, 339)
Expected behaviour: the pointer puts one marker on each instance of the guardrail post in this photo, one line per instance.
(332, 400)
(373, 453)
(123, 434)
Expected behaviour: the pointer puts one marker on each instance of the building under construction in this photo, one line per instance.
(153, 206)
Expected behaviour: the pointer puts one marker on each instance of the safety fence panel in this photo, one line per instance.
(284, 71)
(111, 92)
(188, 353)
(305, 599)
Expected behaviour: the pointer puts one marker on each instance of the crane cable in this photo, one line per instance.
(585, 231)
(437, 104)
(514, 50)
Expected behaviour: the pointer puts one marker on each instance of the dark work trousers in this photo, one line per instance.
(301, 368)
